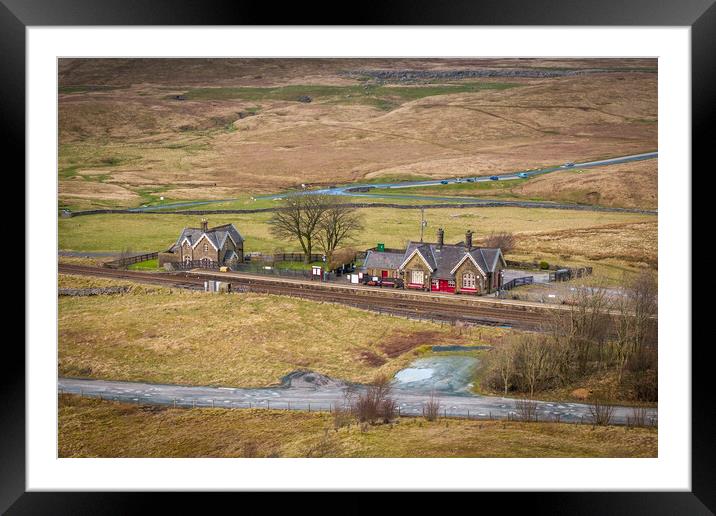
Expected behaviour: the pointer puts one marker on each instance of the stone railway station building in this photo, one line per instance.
(439, 267)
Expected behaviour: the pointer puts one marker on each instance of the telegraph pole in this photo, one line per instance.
(423, 223)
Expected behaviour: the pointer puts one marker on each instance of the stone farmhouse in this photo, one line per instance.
(439, 267)
(207, 247)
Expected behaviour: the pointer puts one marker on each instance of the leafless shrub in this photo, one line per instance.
(505, 241)
(642, 385)
(431, 409)
(125, 254)
(375, 403)
(639, 417)
(364, 408)
(526, 410)
(388, 409)
(601, 413)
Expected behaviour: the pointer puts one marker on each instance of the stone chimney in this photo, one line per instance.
(204, 225)
(468, 239)
(441, 237)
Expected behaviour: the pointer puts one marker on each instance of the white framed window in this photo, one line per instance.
(187, 258)
(468, 280)
(206, 248)
(417, 277)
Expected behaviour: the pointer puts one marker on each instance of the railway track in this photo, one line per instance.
(398, 303)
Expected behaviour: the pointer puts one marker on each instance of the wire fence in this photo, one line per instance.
(402, 410)
(130, 260)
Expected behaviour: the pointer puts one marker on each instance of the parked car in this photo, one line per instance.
(443, 182)
(371, 281)
(569, 164)
(523, 175)
(375, 281)
(470, 179)
(391, 282)
(494, 178)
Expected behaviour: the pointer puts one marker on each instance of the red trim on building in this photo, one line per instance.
(443, 286)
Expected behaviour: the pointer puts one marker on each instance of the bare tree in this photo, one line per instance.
(533, 360)
(503, 240)
(583, 330)
(504, 361)
(299, 219)
(636, 325)
(338, 225)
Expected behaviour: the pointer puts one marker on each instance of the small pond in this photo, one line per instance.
(447, 374)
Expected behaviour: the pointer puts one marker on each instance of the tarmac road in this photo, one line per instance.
(323, 398)
(344, 190)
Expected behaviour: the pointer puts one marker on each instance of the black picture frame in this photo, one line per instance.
(17, 15)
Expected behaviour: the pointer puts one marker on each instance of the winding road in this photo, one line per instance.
(349, 190)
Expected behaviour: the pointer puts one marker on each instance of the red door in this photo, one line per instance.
(446, 286)
(383, 274)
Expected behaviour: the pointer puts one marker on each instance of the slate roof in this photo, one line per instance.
(443, 259)
(217, 235)
(377, 260)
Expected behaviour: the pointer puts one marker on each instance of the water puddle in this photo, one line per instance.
(413, 374)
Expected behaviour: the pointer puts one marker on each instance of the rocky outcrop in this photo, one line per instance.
(422, 75)
(304, 379)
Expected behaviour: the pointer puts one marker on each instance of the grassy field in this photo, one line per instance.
(610, 241)
(149, 265)
(383, 97)
(126, 139)
(168, 432)
(466, 189)
(160, 335)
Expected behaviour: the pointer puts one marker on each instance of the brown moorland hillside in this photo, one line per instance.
(132, 128)
(625, 185)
